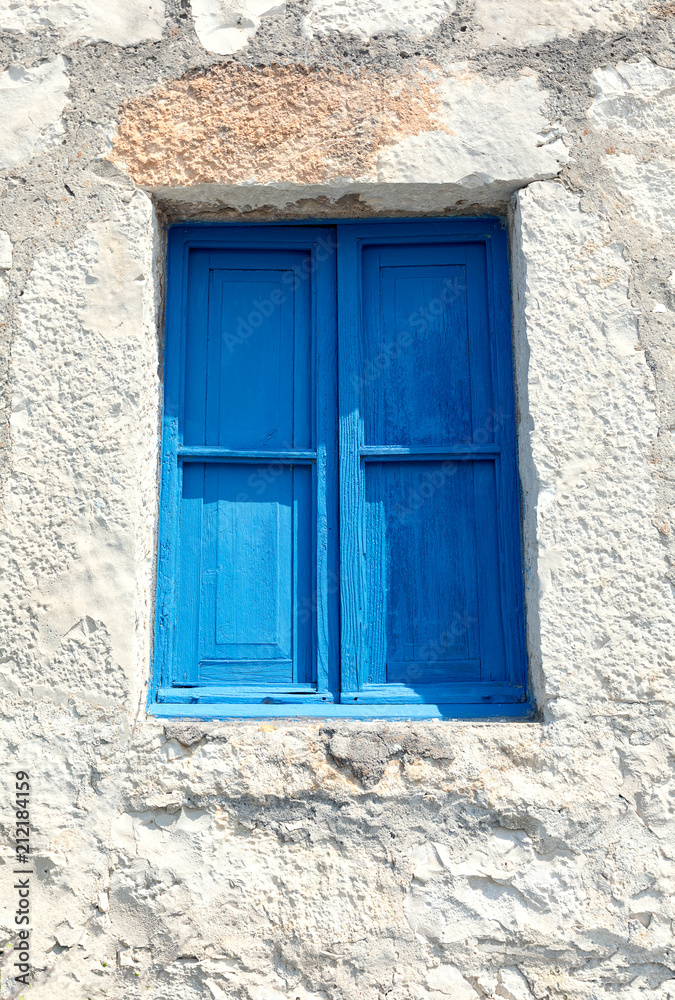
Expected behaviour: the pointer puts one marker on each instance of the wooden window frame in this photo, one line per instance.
(339, 691)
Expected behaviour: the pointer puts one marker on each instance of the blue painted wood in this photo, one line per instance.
(245, 673)
(182, 268)
(425, 386)
(353, 602)
(247, 556)
(507, 483)
(415, 381)
(421, 569)
(433, 671)
(282, 709)
(248, 386)
(246, 691)
(437, 693)
(387, 452)
(324, 607)
(425, 539)
(245, 551)
(202, 453)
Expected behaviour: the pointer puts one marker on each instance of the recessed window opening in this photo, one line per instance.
(339, 518)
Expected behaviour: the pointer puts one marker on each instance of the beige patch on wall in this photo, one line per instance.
(234, 124)
(663, 9)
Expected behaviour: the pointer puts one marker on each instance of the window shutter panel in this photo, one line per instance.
(384, 573)
(255, 456)
(421, 445)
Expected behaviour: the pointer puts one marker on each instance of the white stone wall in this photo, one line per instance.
(288, 859)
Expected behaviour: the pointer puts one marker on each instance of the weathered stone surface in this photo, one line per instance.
(519, 22)
(495, 139)
(647, 187)
(5, 251)
(288, 128)
(288, 124)
(124, 22)
(224, 26)
(31, 102)
(368, 17)
(367, 753)
(635, 101)
(634, 107)
(5, 265)
(448, 981)
(500, 869)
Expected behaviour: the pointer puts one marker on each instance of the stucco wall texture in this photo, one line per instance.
(307, 859)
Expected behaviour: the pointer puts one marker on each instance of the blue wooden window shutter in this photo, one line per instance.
(339, 537)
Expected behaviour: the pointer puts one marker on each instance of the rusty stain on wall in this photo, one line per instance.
(282, 123)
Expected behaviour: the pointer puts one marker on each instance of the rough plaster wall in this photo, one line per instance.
(308, 860)
(124, 22)
(591, 439)
(84, 407)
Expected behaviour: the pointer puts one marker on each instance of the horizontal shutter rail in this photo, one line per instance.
(436, 693)
(198, 453)
(251, 673)
(273, 694)
(459, 452)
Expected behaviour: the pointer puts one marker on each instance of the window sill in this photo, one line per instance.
(314, 710)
